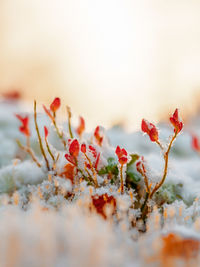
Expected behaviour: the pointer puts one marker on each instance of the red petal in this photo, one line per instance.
(144, 126)
(70, 159)
(123, 160)
(118, 151)
(153, 134)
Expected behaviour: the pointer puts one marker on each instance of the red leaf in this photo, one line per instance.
(68, 172)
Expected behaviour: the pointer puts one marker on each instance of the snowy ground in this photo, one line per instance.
(47, 221)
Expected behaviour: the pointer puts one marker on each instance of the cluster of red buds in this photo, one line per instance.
(151, 130)
(74, 148)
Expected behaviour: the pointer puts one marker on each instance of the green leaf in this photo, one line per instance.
(133, 176)
(134, 157)
(111, 161)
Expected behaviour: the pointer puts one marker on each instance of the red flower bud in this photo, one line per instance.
(195, 143)
(74, 148)
(98, 137)
(83, 148)
(150, 129)
(55, 104)
(140, 166)
(24, 128)
(80, 129)
(176, 122)
(122, 155)
(46, 132)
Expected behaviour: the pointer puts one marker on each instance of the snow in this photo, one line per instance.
(45, 220)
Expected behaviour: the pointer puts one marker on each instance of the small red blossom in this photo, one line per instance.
(24, 128)
(81, 128)
(83, 148)
(150, 129)
(122, 155)
(176, 122)
(98, 137)
(55, 105)
(140, 166)
(73, 152)
(74, 148)
(195, 143)
(99, 202)
(46, 132)
(94, 153)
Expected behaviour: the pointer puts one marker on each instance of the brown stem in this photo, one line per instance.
(121, 179)
(39, 137)
(69, 121)
(29, 150)
(49, 150)
(166, 158)
(93, 171)
(160, 145)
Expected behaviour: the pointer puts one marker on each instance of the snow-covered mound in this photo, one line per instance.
(107, 198)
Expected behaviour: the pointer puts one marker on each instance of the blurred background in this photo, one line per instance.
(112, 61)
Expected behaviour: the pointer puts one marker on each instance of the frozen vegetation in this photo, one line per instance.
(106, 198)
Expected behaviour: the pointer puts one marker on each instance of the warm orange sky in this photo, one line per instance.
(109, 60)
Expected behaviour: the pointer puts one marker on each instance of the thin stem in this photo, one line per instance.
(166, 158)
(69, 121)
(121, 179)
(93, 171)
(39, 137)
(49, 150)
(29, 150)
(160, 145)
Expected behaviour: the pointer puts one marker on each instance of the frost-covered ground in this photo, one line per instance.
(48, 220)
